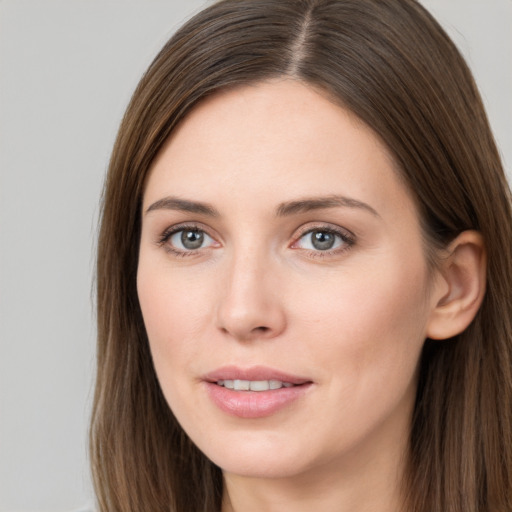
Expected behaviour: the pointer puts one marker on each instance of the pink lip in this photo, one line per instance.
(253, 373)
(253, 404)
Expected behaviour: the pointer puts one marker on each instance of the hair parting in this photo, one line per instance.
(391, 64)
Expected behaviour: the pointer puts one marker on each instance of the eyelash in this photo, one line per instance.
(169, 232)
(347, 238)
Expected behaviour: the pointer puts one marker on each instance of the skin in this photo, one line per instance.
(352, 320)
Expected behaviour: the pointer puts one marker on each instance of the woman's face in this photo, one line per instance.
(283, 284)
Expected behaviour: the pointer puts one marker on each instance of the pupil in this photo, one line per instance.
(322, 240)
(192, 239)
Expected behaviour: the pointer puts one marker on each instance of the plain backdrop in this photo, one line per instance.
(67, 70)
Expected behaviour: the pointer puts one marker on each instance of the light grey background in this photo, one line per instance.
(67, 70)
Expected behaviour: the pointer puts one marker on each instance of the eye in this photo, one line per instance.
(323, 239)
(189, 239)
(184, 239)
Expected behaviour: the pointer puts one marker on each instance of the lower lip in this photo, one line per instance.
(254, 404)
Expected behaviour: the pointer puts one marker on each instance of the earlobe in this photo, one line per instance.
(461, 287)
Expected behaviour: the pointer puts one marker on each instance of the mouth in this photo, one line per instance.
(254, 385)
(254, 393)
(255, 378)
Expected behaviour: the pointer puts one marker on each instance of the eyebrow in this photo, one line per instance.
(283, 210)
(318, 203)
(175, 203)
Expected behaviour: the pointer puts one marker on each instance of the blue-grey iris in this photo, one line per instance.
(192, 239)
(322, 240)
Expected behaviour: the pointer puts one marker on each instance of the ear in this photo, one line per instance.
(460, 287)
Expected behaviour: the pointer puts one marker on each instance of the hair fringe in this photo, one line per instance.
(392, 65)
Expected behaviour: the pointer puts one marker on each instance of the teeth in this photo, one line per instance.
(274, 384)
(259, 385)
(253, 385)
(241, 385)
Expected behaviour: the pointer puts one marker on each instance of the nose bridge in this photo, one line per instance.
(249, 305)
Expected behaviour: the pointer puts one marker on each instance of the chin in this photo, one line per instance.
(259, 457)
(263, 467)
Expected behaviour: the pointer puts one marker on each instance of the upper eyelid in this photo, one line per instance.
(164, 238)
(295, 236)
(183, 226)
(326, 226)
(348, 238)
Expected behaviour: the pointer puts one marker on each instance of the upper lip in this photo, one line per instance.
(253, 373)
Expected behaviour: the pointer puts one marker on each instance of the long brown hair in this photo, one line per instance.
(390, 63)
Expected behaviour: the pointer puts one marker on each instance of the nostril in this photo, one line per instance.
(249, 317)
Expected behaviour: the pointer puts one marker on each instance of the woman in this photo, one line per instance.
(304, 271)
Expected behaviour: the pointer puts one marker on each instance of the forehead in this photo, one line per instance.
(275, 140)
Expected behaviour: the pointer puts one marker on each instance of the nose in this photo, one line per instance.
(251, 306)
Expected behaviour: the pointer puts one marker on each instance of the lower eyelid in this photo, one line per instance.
(347, 240)
(164, 240)
(338, 246)
(344, 235)
(170, 231)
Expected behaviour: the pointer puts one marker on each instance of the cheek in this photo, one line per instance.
(364, 339)
(369, 327)
(174, 307)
